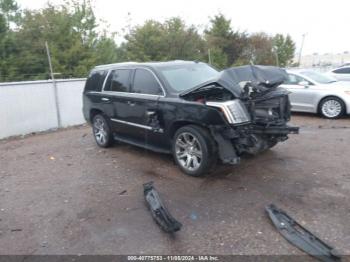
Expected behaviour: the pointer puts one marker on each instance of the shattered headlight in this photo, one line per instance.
(234, 110)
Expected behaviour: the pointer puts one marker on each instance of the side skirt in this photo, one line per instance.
(140, 144)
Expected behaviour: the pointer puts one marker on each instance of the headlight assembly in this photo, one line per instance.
(234, 110)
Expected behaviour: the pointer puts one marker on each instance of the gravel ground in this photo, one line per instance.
(61, 194)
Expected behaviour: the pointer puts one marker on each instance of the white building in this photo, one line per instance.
(326, 61)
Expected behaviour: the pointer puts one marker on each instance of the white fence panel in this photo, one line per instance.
(70, 102)
(27, 107)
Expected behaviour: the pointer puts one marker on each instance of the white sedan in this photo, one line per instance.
(317, 93)
(342, 73)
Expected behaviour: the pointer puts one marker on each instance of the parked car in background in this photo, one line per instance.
(345, 64)
(341, 73)
(317, 93)
(188, 109)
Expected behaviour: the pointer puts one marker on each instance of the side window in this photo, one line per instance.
(342, 71)
(295, 80)
(118, 81)
(145, 83)
(95, 81)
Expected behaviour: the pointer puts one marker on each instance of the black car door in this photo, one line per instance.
(145, 91)
(116, 101)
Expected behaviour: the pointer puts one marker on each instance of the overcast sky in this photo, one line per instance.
(325, 23)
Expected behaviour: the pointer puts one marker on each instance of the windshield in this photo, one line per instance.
(318, 77)
(184, 77)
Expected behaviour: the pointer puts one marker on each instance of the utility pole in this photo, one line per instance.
(301, 48)
(58, 115)
(209, 57)
(274, 49)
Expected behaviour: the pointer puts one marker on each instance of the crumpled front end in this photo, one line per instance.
(256, 110)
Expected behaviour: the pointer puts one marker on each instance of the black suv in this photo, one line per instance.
(188, 109)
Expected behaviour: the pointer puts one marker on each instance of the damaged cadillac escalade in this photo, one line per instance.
(189, 109)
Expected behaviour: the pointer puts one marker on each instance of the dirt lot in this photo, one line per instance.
(61, 194)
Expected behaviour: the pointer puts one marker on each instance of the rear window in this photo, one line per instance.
(95, 81)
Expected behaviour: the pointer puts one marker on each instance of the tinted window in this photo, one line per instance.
(342, 71)
(118, 80)
(145, 83)
(95, 81)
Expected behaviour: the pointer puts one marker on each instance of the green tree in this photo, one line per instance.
(71, 32)
(224, 43)
(145, 43)
(284, 47)
(155, 41)
(10, 10)
(9, 13)
(182, 42)
(259, 50)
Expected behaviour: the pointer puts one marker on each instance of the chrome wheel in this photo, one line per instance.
(188, 151)
(331, 108)
(100, 131)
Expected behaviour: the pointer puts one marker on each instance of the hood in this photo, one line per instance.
(260, 76)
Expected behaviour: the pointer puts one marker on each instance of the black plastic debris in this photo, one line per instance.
(301, 237)
(159, 212)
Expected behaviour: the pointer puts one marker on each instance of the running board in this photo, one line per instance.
(301, 237)
(159, 212)
(135, 142)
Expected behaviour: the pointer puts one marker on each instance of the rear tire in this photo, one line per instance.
(101, 131)
(194, 150)
(332, 107)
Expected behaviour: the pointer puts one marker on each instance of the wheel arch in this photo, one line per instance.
(93, 112)
(181, 123)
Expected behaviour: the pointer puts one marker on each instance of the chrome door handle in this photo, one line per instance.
(105, 99)
(130, 103)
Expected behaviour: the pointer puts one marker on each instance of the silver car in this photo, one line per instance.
(342, 73)
(317, 93)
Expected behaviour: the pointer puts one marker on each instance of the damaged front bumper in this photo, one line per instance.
(268, 115)
(232, 142)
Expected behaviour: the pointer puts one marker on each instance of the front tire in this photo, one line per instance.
(194, 150)
(332, 107)
(101, 131)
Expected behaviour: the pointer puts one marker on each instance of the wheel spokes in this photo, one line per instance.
(188, 151)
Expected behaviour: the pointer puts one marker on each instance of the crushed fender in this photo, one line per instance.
(159, 212)
(301, 237)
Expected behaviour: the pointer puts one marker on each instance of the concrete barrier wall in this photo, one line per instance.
(27, 107)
